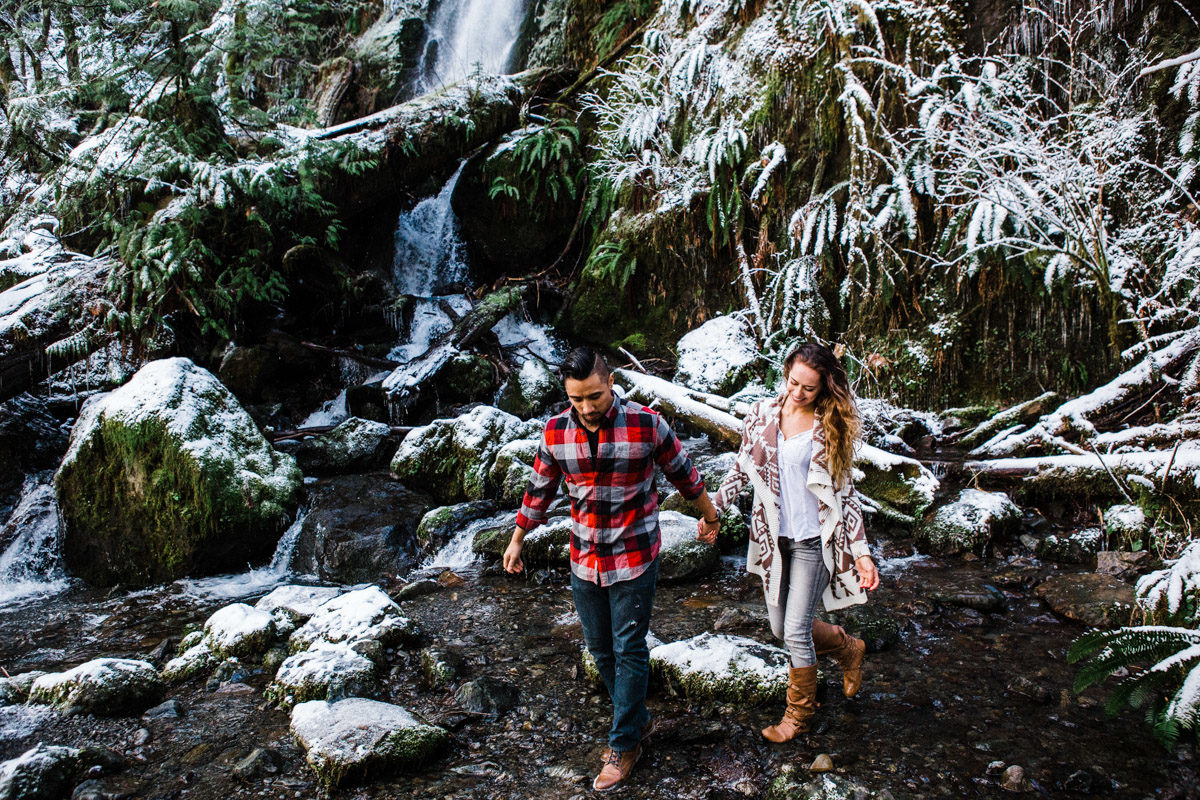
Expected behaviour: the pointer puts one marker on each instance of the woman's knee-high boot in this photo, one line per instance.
(801, 705)
(833, 641)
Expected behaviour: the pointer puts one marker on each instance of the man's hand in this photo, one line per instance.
(707, 531)
(512, 553)
(868, 575)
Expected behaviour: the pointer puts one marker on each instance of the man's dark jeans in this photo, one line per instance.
(615, 621)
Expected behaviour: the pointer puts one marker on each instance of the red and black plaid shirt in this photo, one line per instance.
(614, 505)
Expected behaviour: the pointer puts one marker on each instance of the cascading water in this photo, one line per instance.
(32, 564)
(244, 584)
(470, 35)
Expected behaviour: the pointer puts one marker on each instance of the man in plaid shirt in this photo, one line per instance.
(606, 448)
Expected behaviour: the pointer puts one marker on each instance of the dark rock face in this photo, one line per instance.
(31, 440)
(360, 527)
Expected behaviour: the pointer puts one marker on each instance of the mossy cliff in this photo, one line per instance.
(168, 476)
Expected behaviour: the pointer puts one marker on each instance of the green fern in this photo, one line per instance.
(612, 261)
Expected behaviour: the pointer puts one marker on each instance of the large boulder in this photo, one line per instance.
(512, 470)
(901, 486)
(970, 523)
(681, 556)
(353, 738)
(168, 476)
(104, 687)
(726, 668)
(547, 545)
(1100, 601)
(718, 357)
(323, 672)
(530, 390)
(296, 604)
(239, 631)
(439, 525)
(45, 772)
(454, 457)
(355, 618)
(354, 445)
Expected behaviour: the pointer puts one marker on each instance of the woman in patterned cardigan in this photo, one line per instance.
(806, 535)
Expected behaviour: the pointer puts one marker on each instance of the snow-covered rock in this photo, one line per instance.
(239, 630)
(530, 390)
(296, 603)
(42, 772)
(547, 545)
(191, 661)
(511, 471)
(718, 357)
(969, 523)
(681, 556)
(1126, 524)
(104, 687)
(719, 667)
(347, 740)
(354, 618)
(1077, 547)
(169, 476)
(454, 457)
(354, 444)
(1171, 596)
(898, 484)
(323, 672)
(588, 661)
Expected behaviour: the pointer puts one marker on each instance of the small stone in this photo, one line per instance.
(90, 790)
(140, 737)
(260, 762)
(416, 589)
(822, 763)
(169, 709)
(487, 695)
(995, 767)
(1014, 780)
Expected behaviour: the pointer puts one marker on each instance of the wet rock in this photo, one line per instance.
(169, 709)
(1083, 781)
(512, 470)
(323, 672)
(822, 763)
(1031, 688)
(985, 598)
(969, 524)
(10, 695)
(104, 687)
(229, 671)
(1014, 780)
(439, 525)
(1101, 601)
(359, 527)
(347, 740)
(192, 662)
(359, 616)
(547, 545)
(239, 630)
(294, 603)
(718, 357)
(682, 557)
(721, 667)
(262, 761)
(35, 520)
(902, 486)
(160, 471)
(1121, 563)
(794, 785)
(487, 695)
(440, 667)
(874, 623)
(454, 457)
(415, 589)
(45, 772)
(1078, 547)
(91, 790)
(140, 737)
(530, 391)
(355, 445)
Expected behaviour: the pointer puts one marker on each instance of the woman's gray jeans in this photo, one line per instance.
(804, 577)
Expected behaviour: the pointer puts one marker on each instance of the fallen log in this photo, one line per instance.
(1174, 472)
(677, 401)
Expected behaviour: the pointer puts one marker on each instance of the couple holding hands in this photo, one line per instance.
(806, 541)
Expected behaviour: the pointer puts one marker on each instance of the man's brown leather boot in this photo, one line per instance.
(616, 769)
(801, 705)
(833, 641)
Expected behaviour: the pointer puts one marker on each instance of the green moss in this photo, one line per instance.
(406, 748)
(895, 486)
(433, 522)
(733, 686)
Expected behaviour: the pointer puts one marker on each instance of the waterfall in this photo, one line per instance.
(244, 584)
(31, 565)
(466, 35)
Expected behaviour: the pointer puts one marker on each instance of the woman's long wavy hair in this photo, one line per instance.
(835, 407)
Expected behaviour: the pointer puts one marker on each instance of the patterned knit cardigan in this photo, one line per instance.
(842, 532)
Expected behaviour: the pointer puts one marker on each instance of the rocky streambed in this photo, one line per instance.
(967, 681)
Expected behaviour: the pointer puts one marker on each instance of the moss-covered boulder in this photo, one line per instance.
(323, 672)
(355, 444)
(454, 457)
(969, 524)
(1077, 547)
(531, 390)
(10, 695)
(720, 356)
(355, 618)
(354, 739)
(168, 476)
(547, 545)
(104, 687)
(1171, 596)
(239, 631)
(43, 772)
(681, 557)
(192, 661)
(725, 668)
(512, 470)
(439, 525)
(897, 483)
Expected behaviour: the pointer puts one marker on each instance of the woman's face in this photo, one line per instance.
(803, 385)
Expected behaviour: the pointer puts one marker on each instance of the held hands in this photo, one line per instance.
(868, 575)
(707, 531)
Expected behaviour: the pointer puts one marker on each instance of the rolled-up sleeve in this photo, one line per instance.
(540, 490)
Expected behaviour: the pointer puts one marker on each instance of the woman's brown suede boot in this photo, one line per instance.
(801, 705)
(833, 641)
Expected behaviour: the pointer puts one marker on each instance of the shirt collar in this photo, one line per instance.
(608, 420)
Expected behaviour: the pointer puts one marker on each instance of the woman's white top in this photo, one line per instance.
(799, 514)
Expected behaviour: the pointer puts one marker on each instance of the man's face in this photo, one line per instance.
(590, 397)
